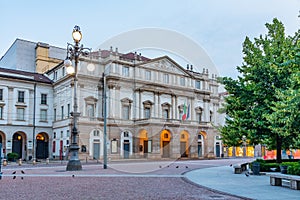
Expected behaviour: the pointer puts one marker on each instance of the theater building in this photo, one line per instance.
(155, 108)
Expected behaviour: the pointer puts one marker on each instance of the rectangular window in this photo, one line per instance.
(61, 134)
(199, 117)
(125, 112)
(43, 116)
(68, 133)
(1, 112)
(63, 71)
(44, 99)
(62, 112)
(148, 75)
(149, 146)
(166, 78)
(197, 84)
(1, 94)
(182, 81)
(90, 110)
(114, 146)
(125, 71)
(54, 135)
(20, 114)
(166, 114)
(147, 113)
(21, 96)
(54, 113)
(69, 110)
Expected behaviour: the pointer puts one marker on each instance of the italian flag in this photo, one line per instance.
(186, 112)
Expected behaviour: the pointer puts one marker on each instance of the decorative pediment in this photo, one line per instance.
(126, 100)
(90, 99)
(148, 102)
(166, 64)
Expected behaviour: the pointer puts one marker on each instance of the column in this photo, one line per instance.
(206, 110)
(139, 106)
(10, 108)
(173, 107)
(192, 109)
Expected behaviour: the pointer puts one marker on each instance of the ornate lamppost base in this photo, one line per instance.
(74, 165)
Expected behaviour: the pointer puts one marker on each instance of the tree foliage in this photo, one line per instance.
(263, 103)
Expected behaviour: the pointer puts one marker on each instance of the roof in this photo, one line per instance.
(132, 56)
(23, 75)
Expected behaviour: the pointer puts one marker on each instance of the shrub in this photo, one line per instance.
(267, 167)
(294, 169)
(12, 156)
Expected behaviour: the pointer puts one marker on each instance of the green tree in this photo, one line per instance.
(264, 81)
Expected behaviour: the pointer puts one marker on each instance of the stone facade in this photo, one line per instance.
(156, 109)
(146, 99)
(25, 113)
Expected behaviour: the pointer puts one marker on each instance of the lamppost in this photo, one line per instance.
(73, 52)
(244, 145)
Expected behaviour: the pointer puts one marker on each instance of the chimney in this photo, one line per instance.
(135, 55)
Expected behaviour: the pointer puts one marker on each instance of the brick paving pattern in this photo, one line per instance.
(93, 182)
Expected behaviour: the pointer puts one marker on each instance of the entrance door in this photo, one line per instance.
(166, 149)
(126, 149)
(17, 144)
(96, 153)
(199, 149)
(145, 148)
(217, 149)
(183, 150)
(41, 147)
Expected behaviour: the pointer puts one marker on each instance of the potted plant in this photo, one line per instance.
(12, 156)
(283, 168)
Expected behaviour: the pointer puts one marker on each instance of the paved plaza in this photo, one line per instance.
(189, 179)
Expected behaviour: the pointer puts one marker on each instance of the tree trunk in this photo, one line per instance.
(278, 149)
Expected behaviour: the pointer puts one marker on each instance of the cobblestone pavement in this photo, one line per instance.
(93, 182)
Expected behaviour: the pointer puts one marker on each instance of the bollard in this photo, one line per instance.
(34, 161)
(20, 162)
(47, 161)
(4, 162)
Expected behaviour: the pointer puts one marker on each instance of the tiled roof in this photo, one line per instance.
(17, 74)
(131, 56)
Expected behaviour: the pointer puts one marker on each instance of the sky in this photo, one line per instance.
(218, 26)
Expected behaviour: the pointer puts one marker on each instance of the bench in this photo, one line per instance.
(239, 168)
(291, 181)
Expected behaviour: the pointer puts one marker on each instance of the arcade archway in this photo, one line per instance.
(165, 138)
(143, 145)
(18, 144)
(184, 144)
(42, 146)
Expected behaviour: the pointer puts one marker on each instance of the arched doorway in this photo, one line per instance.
(184, 144)
(126, 144)
(17, 146)
(165, 138)
(96, 144)
(42, 146)
(143, 146)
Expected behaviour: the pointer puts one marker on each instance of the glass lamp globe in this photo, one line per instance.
(70, 70)
(76, 34)
(67, 63)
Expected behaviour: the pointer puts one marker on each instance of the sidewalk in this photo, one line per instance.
(254, 187)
